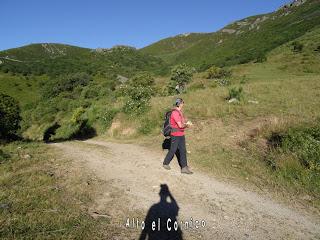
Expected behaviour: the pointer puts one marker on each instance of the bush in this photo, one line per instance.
(295, 156)
(236, 93)
(71, 130)
(9, 116)
(181, 75)
(107, 117)
(217, 73)
(138, 92)
(77, 116)
(305, 144)
(297, 47)
(138, 99)
(142, 79)
(65, 84)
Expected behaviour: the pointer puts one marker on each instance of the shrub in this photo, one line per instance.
(65, 84)
(77, 116)
(106, 117)
(180, 76)
(142, 79)
(297, 47)
(76, 127)
(138, 92)
(236, 93)
(138, 99)
(217, 73)
(9, 116)
(305, 144)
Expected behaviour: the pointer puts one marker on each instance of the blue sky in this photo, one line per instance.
(104, 23)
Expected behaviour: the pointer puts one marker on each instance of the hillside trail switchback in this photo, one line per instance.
(134, 174)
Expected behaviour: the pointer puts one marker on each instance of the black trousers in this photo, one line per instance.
(178, 148)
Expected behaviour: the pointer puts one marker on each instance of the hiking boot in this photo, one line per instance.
(167, 167)
(186, 170)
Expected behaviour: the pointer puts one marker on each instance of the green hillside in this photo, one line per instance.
(56, 59)
(242, 41)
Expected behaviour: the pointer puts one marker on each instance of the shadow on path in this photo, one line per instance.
(165, 212)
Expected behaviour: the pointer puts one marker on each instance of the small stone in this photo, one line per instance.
(26, 156)
(253, 101)
(307, 198)
(233, 100)
(4, 206)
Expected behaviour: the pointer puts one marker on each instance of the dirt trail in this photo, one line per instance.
(229, 212)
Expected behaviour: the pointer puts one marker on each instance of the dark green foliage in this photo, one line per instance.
(138, 99)
(77, 127)
(304, 142)
(9, 116)
(295, 155)
(107, 116)
(66, 84)
(297, 47)
(142, 79)
(139, 91)
(236, 93)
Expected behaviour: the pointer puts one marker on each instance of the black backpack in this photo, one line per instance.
(167, 128)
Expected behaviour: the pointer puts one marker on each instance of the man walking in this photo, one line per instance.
(178, 142)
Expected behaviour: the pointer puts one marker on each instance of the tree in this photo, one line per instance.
(142, 79)
(181, 75)
(65, 84)
(9, 116)
(139, 91)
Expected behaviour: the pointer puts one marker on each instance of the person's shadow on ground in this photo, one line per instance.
(165, 211)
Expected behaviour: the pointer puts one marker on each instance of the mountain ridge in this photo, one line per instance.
(240, 41)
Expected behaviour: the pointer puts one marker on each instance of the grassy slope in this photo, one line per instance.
(253, 38)
(40, 199)
(25, 89)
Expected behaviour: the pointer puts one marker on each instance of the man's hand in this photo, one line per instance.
(189, 123)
